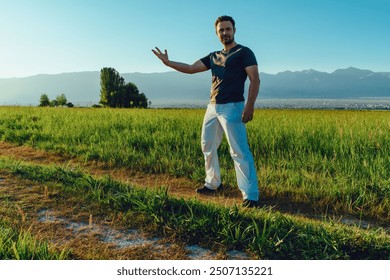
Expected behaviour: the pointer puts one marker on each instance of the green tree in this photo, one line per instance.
(61, 100)
(132, 98)
(53, 103)
(44, 101)
(115, 93)
(111, 84)
(143, 101)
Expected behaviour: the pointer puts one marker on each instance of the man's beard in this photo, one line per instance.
(227, 40)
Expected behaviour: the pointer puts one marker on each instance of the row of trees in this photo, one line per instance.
(60, 100)
(115, 93)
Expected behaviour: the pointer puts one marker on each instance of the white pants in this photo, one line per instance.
(226, 118)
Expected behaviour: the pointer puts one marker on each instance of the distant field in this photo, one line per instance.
(338, 160)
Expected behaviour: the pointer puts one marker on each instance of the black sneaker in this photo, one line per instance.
(250, 203)
(206, 190)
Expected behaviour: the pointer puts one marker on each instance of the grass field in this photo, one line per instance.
(324, 162)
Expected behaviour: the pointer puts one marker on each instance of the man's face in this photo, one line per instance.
(225, 32)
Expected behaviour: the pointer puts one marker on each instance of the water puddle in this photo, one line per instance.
(128, 238)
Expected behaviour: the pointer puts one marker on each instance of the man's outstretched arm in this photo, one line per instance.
(196, 67)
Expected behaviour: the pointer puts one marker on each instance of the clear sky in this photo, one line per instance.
(50, 37)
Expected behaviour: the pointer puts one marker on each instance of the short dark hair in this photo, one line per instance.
(225, 18)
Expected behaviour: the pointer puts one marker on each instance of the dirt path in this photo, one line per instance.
(179, 187)
(85, 229)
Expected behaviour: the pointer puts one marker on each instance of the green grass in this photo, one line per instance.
(20, 244)
(335, 160)
(264, 233)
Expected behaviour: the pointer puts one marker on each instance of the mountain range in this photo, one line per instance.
(83, 88)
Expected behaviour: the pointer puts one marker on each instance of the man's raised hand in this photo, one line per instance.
(162, 56)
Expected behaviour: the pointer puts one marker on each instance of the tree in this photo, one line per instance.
(44, 101)
(110, 84)
(61, 100)
(132, 98)
(115, 93)
(53, 103)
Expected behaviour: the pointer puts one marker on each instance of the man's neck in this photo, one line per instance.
(229, 46)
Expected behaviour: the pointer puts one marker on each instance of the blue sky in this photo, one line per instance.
(50, 37)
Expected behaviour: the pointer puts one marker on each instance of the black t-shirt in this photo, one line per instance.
(228, 73)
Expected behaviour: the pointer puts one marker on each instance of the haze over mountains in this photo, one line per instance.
(83, 88)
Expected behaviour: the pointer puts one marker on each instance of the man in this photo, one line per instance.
(227, 112)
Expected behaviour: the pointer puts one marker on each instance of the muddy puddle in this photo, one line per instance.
(128, 238)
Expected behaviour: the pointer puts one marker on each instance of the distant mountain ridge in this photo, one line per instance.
(83, 88)
(342, 83)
